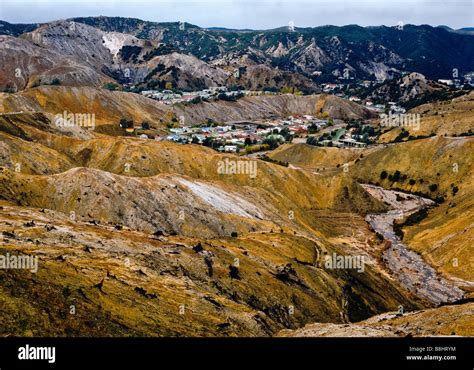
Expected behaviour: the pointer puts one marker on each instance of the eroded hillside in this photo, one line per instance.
(172, 247)
(149, 238)
(439, 168)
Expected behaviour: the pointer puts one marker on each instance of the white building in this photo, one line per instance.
(446, 82)
(230, 148)
(351, 143)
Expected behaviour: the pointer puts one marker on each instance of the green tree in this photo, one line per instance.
(110, 86)
(126, 123)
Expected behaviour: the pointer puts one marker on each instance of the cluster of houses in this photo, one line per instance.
(358, 136)
(331, 87)
(170, 97)
(393, 107)
(343, 139)
(459, 82)
(233, 136)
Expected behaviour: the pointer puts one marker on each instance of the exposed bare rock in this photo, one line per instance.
(24, 64)
(448, 320)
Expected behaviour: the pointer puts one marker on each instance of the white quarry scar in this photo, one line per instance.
(221, 200)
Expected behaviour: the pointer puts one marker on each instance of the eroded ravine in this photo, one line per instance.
(408, 267)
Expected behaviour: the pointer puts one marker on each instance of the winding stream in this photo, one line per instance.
(408, 267)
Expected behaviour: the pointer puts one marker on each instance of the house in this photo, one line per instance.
(351, 143)
(174, 138)
(319, 122)
(237, 141)
(200, 138)
(379, 107)
(331, 143)
(298, 130)
(230, 148)
(177, 130)
(446, 82)
(189, 98)
(223, 128)
(215, 89)
(397, 109)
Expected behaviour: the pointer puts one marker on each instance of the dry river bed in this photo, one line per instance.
(408, 267)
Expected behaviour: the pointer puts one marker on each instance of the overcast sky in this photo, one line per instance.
(255, 14)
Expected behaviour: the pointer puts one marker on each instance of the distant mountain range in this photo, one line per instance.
(150, 55)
